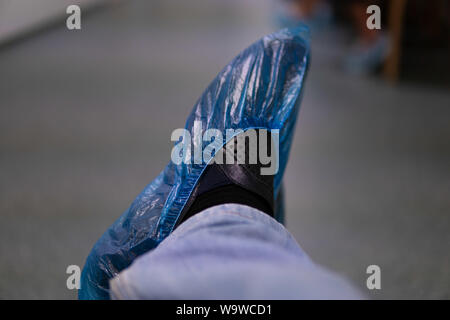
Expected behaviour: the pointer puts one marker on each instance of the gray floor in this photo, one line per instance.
(85, 123)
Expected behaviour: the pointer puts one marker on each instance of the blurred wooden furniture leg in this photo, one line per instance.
(395, 23)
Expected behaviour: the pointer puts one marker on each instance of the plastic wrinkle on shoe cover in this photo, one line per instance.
(260, 88)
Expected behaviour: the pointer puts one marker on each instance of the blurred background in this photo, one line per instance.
(86, 118)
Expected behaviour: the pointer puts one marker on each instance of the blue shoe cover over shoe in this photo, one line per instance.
(260, 88)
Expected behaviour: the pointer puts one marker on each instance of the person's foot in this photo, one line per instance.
(366, 57)
(239, 182)
(316, 14)
(259, 89)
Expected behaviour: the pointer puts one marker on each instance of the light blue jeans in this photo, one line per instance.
(229, 251)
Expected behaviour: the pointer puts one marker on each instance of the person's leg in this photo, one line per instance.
(371, 46)
(229, 251)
